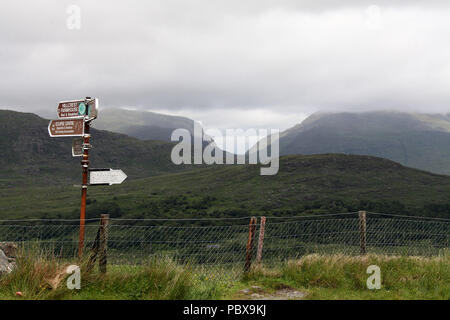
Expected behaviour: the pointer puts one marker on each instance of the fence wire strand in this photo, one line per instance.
(133, 242)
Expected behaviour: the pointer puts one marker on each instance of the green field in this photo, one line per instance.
(305, 184)
(314, 276)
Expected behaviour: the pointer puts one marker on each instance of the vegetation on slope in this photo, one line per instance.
(414, 140)
(305, 184)
(31, 156)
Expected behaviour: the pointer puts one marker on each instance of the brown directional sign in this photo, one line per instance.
(72, 109)
(66, 128)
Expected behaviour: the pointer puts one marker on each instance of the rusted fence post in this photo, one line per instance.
(250, 241)
(94, 252)
(104, 221)
(262, 227)
(362, 232)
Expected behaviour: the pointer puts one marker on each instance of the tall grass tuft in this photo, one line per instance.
(37, 272)
(41, 275)
(156, 279)
(413, 277)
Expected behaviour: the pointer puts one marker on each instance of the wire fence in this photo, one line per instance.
(231, 242)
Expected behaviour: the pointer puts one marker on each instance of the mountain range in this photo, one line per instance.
(144, 125)
(30, 154)
(37, 169)
(415, 140)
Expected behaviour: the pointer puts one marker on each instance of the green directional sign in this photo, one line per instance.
(71, 109)
(81, 109)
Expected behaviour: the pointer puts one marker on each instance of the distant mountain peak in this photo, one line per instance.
(413, 139)
(141, 124)
(32, 154)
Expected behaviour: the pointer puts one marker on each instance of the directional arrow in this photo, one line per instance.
(106, 176)
(71, 109)
(66, 128)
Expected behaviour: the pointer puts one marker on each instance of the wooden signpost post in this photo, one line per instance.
(84, 185)
(74, 120)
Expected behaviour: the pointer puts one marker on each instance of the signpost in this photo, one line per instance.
(77, 147)
(93, 108)
(106, 176)
(84, 185)
(72, 109)
(74, 120)
(66, 128)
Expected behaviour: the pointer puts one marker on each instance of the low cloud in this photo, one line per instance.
(263, 62)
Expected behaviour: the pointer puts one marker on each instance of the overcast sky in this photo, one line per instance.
(230, 64)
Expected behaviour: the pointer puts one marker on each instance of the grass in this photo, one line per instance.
(42, 276)
(344, 277)
(305, 184)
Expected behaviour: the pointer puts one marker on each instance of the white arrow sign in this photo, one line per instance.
(106, 176)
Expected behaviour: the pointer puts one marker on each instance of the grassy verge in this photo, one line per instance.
(41, 276)
(345, 277)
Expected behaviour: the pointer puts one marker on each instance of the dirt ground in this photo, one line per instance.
(257, 293)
